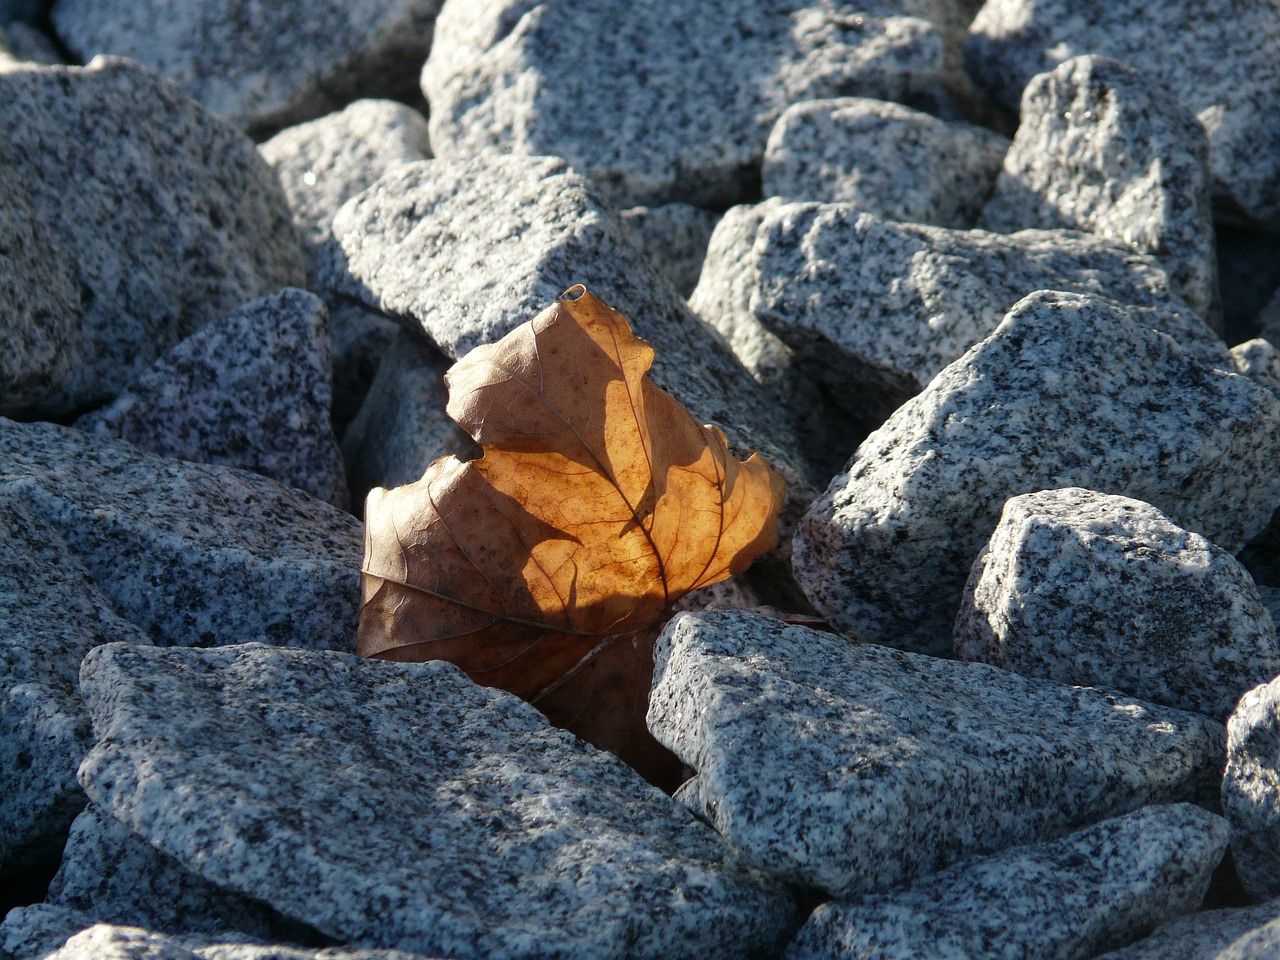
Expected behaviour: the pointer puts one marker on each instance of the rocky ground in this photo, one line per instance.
(993, 286)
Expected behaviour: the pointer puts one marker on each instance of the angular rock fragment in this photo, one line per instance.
(1067, 391)
(852, 767)
(1218, 60)
(194, 555)
(252, 389)
(1104, 591)
(1096, 888)
(675, 237)
(451, 820)
(1103, 149)
(1207, 935)
(1251, 789)
(886, 159)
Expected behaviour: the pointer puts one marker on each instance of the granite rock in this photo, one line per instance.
(1218, 60)
(1259, 360)
(1066, 392)
(194, 555)
(674, 236)
(252, 389)
(1260, 944)
(1097, 888)
(261, 66)
(685, 94)
(1104, 591)
(451, 820)
(38, 929)
(154, 217)
(1251, 789)
(887, 159)
(1201, 936)
(851, 767)
(1104, 149)
(52, 615)
(361, 338)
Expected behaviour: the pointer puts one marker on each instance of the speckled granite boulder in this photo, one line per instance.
(675, 238)
(1097, 888)
(1104, 149)
(1066, 392)
(1259, 360)
(685, 94)
(1104, 591)
(154, 218)
(885, 158)
(852, 767)
(1203, 936)
(195, 555)
(875, 309)
(451, 818)
(261, 66)
(52, 615)
(1217, 59)
(1251, 789)
(252, 390)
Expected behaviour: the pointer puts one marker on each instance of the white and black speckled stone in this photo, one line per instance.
(1066, 392)
(675, 238)
(1104, 591)
(451, 819)
(38, 929)
(1251, 789)
(261, 66)
(885, 158)
(875, 309)
(1104, 149)
(667, 101)
(52, 615)
(154, 218)
(195, 555)
(252, 389)
(851, 767)
(1259, 360)
(1218, 59)
(1098, 888)
(1201, 936)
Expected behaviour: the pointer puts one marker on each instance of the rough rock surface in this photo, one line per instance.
(261, 66)
(1104, 149)
(852, 767)
(1218, 60)
(1104, 591)
(675, 238)
(698, 86)
(252, 389)
(1203, 936)
(885, 158)
(451, 820)
(1259, 360)
(1251, 789)
(1097, 888)
(194, 555)
(1066, 392)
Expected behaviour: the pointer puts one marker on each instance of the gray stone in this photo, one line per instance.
(155, 219)
(1104, 591)
(1097, 888)
(675, 238)
(1200, 936)
(195, 555)
(1251, 789)
(1104, 149)
(1217, 60)
(852, 767)
(1067, 391)
(38, 929)
(52, 615)
(253, 389)
(1259, 360)
(1260, 944)
(450, 819)
(261, 66)
(875, 309)
(361, 337)
(884, 158)
(22, 44)
(667, 101)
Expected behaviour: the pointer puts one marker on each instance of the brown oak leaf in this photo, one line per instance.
(547, 566)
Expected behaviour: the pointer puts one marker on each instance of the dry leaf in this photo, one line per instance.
(544, 566)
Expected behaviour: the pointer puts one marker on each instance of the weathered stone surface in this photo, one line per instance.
(1066, 392)
(495, 835)
(1259, 360)
(153, 219)
(1218, 60)
(852, 767)
(194, 555)
(687, 94)
(52, 616)
(253, 389)
(1202, 936)
(1251, 789)
(1104, 149)
(674, 236)
(1104, 591)
(38, 930)
(261, 66)
(1097, 888)
(885, 158)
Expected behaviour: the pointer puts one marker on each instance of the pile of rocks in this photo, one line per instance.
(968, 275)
